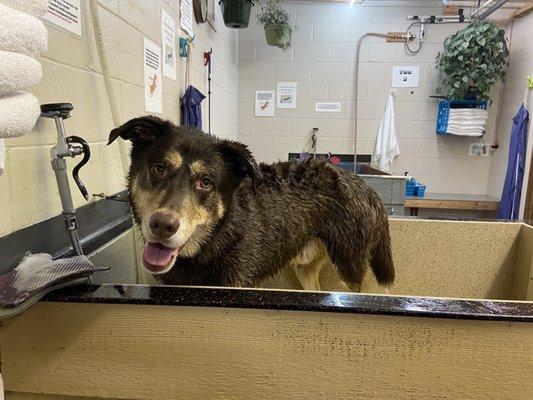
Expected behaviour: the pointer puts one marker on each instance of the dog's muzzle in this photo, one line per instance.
(158, 257)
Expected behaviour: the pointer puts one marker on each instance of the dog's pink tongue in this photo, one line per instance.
(158, 255)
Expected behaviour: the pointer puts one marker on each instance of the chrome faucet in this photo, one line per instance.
(67, 146)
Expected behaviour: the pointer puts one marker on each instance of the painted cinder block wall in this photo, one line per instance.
(514, 93)
(71, 73)
(322, 63)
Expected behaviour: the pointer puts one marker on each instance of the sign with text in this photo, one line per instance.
(405, 76)
(66, 14)
(328, 107)
(186, 22)
(264, 103)
(153, 85)
(168, 33)
(286, 96)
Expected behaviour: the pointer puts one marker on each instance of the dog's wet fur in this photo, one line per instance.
(240, 223)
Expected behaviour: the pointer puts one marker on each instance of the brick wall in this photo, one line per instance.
(71, 69)
(322, 63)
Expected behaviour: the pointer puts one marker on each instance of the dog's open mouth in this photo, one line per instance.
(157, 258)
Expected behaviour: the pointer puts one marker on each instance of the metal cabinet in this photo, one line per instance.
(391, 190)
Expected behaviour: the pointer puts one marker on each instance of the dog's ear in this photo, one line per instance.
(143, 129)
(241, 162)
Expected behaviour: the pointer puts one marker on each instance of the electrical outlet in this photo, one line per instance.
(478, 150)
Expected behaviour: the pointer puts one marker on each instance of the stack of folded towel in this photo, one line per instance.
(467, 121)
(23, 37)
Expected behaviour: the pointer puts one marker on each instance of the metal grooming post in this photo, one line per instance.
(67, 146)
(207, 62)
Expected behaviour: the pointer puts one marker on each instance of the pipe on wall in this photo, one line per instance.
(356, 78)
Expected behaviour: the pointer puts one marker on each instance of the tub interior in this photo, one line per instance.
(451, 259)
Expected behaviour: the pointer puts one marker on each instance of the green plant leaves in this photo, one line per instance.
(273, 14)
(473, 59)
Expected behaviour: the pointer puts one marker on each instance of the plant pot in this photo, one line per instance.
(236, 13)
(277, 35)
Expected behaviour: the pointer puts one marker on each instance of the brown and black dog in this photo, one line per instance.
(211, 216)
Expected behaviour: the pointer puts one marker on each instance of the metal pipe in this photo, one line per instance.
(356, 77)
(104, 66)
(491, 9)
(481, 7)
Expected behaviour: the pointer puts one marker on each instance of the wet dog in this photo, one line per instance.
(211, 216)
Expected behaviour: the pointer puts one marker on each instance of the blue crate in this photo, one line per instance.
(410, 187)
(444, 111)
(414, 189)
(420, 190)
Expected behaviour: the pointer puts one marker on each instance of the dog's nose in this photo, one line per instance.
(163, 225)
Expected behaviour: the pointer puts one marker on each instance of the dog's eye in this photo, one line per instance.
(205, 184)
(158, 169)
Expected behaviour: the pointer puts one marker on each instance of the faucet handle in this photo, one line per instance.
(86, 150)
(52, 110)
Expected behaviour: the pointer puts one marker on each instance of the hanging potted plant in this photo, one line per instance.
(473, 60)
(277, 25)
(236, 13)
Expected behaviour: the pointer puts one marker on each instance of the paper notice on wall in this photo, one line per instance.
(328, 107)
(405, 76)
(65, 14)
(286, 95)
(264, 103)
(168, 32)
(186, 16)
(153, 85)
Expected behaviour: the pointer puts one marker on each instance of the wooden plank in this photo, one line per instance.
(463, 259)
(37, 396)
(523, 11)
(523, 278)
(158, 352)
(370, 170)
(453, 204)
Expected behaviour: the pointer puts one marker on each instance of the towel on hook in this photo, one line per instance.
(21, 33)
(18, 114)
(33, 7)
(18, 71)
(386, 143)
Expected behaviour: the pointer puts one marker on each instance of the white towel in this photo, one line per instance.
(33, 7)
(464, 132)
(466, 126)
(386, 143)
(18, 71)
(21, 33)
(469, 111)
(18, 114)
(2, 155)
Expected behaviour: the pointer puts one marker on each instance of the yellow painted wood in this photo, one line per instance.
(523, 279)
(37, 396)
(475, 260)
(157, 352)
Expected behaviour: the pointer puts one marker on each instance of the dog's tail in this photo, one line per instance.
(381, 262)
